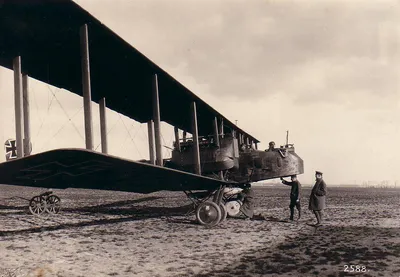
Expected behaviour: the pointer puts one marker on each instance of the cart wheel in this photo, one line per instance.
(224, 212)
(37, 205)
(53, 204)
(208, 214)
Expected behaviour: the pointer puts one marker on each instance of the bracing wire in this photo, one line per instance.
(50, 103)
(37, 110)
(109, 130)
(127, 136)
(126, 128)
(65, 112)
(164, 143)
(63, 126)
(144, 133)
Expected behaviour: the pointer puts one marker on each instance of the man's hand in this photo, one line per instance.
(298, 201)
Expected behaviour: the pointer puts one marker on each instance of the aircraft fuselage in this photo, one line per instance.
(239, 164)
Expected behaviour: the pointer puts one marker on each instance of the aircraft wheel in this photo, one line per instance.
(53, 204)
(37, 205)
(224, 212)
(208, 214)
(233, 207)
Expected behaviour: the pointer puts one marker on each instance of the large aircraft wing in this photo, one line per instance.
(45, 33)
(80, 168)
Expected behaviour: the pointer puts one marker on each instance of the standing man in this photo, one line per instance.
(247, 198)
(294, 195)
(317, 197)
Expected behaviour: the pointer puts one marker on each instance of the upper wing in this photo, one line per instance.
(45, 33)
(80, 168)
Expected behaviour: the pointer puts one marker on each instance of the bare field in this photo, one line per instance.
(104, 233)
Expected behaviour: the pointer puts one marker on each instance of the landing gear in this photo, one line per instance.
(233, 207)
(208, 212)
(224, 212)
(45, 202)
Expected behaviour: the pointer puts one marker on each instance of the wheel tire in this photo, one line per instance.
(37, 205)
(53, 204)
(233, 207)
(208, 214)
(224, 212)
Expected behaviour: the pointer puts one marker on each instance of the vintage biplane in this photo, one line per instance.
(61, 44)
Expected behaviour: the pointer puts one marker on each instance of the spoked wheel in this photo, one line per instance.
(37, 205)
(208, 214)
(224, 212)
(53, 204)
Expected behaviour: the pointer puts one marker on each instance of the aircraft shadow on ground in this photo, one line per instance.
(110, 207)
(103, 208)
(129, 214)
(275, 219)
(314, 253)
(7, 207)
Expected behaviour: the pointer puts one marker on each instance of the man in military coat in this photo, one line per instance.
(294, 195)
(247, 198)
(317, 197)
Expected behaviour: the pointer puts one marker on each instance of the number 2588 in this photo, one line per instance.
(355, 268)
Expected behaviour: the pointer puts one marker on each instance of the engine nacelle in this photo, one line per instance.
(212, 157)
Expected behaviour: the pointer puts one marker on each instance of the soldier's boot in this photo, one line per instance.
(318, 216)
(291, 213)
(299, 213)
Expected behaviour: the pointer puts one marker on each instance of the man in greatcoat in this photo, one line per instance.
(247, 198)
(317, 197)
(294, 195)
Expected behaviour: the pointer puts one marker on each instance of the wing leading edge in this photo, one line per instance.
(80, 168)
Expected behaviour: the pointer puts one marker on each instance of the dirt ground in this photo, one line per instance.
(104, 233)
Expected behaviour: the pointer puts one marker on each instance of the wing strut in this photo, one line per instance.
(18, 105)
(216, 136)
(157, 124)
(103, 125)
(87, 94)
(27, 125)
(177, 143)
(196, 151)
(150, 130)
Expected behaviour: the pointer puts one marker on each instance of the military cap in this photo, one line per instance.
(318, 172)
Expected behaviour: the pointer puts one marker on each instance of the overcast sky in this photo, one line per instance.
(328, 71)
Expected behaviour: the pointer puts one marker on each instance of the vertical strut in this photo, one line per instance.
(87, 98)
(177, 142)
(196, 146)
(216, 136)
(221, 128)
(103, 126)
(27, 125)
(150, 129)
(18, 105)
(157, 121)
